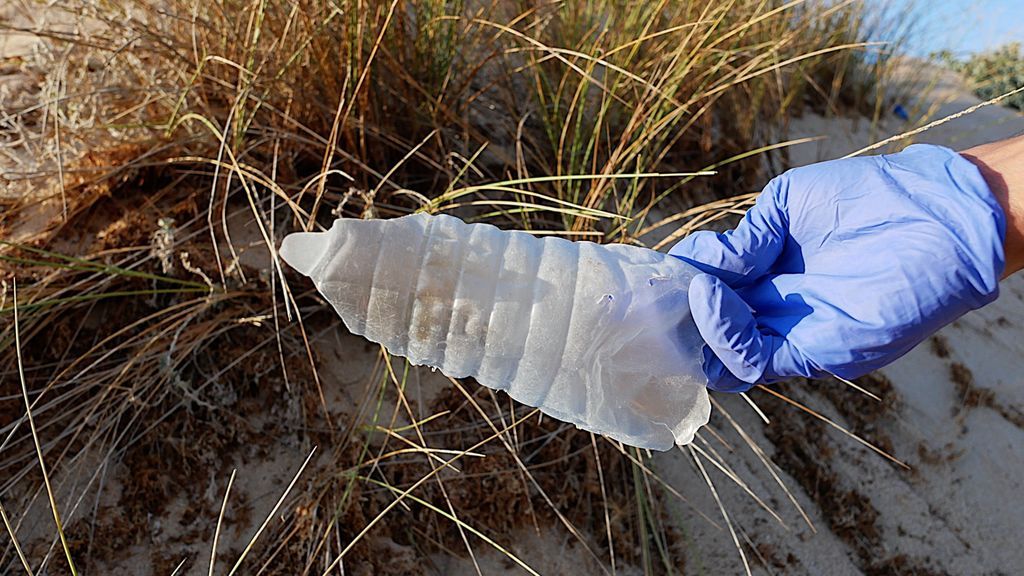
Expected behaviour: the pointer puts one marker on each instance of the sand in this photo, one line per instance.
(958, 509)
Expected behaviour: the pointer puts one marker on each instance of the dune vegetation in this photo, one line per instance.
(156, 349)
(993, 73)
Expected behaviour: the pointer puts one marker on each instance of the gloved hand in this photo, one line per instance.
(842, 267)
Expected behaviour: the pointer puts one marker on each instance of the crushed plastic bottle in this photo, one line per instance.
(597, 335)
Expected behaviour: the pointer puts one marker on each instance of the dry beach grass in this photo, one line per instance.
(174, 400)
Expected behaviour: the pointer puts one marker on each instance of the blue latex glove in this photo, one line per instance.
(844, 266)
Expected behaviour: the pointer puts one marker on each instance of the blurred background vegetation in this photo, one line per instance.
(992, 73)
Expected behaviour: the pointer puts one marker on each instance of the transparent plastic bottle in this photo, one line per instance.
(597, 335)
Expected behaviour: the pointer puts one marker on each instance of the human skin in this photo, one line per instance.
(1002, 165)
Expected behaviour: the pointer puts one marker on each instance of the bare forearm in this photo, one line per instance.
(1002, 165)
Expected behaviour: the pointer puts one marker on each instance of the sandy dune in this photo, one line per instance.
(958, 510)
(953, 412)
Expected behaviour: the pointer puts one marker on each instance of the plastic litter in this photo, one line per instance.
(596, 335)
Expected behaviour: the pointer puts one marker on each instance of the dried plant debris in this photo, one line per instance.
(969, 395)
(866, 416)
(939, 345)
(804, 449)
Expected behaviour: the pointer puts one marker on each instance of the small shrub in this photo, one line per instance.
(993, 73)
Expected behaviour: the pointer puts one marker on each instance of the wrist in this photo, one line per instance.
(1002, 166)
